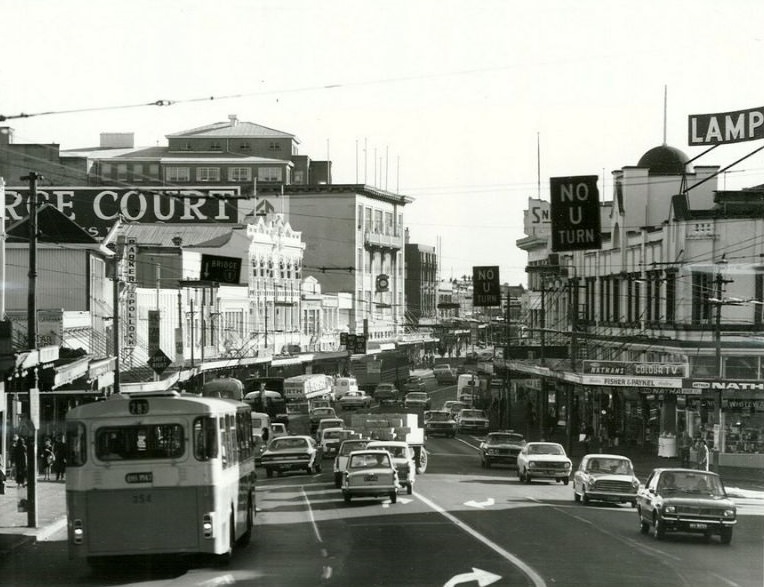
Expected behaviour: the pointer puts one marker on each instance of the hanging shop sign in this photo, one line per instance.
(575, 212)
(638, 369)
(618, 381)
(726, 127)
(726, 385)
(96, 209)
(130, 326)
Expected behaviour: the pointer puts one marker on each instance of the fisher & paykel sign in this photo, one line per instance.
(96, 208)
(726, 127)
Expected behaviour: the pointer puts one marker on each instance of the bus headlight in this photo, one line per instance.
(207, 526)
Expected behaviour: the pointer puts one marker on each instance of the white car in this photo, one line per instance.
(605, 477)
(330, 440)
(341, 460)
(544, 460)
(403, 459)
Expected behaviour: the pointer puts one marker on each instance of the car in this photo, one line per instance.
(501, 448)
(370, 473)
(403, 459)
(330, 440)
(328, 423)
(444, 373)
(341, 460)
(320, 403)
(454, 406)
(386, 393)
(439, 422)
(418, 400)
(290, 453)
(278, 429)
(605, 477)
(414, 383)
(318, 414)
(686, 500)
(354, 399)
(543, 460)
(471, 420)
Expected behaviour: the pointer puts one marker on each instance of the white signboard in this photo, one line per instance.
(675, 383)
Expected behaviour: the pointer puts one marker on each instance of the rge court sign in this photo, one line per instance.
(575, 213)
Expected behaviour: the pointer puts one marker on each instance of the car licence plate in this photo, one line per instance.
(698, 526)
(370, 478)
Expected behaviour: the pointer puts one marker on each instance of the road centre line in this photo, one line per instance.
(537, 580)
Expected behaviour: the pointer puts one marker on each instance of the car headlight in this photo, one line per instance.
(532, 464)
(590, 482)
(567, 465)
(729, 514)
(635, 483)
(669, 509)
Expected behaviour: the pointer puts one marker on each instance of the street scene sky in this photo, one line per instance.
(467, 107)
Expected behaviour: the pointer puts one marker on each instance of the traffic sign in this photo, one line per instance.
(222, 269)
(159, 361)
(486, 290)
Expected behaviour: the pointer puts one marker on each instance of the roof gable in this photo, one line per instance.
(52, 226)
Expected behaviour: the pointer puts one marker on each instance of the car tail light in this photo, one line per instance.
(207, 525)
(78, 532)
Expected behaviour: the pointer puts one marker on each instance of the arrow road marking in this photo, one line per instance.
(482, 577)
(480, 504)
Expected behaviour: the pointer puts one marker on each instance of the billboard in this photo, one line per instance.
(575, 213)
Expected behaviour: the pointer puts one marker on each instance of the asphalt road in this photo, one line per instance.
(464, 525)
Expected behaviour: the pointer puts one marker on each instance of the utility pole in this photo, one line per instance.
(34, 397)
(507, 376)
(573, 316)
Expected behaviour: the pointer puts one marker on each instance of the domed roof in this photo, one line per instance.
(665, 160)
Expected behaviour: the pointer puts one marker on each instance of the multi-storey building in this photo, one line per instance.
(664, 320)
(421, 284)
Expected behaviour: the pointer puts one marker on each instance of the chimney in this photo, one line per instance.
(6, 135)
(234, 120)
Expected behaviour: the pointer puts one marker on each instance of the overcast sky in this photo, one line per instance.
(450, 98)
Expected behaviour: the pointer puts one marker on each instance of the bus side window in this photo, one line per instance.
(205, 438)
(76, 447)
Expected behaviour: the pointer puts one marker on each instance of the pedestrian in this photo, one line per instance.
(47, 459)
(2, 476)
(19, 460)
(685, 442)
(59, 452)
(703, 455)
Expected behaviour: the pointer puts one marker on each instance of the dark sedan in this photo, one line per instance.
(686, 500)
(501, 448)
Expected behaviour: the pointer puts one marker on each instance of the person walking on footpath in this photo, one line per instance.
(703, 455)
(685, 443)
(59, 452)
(19, 460)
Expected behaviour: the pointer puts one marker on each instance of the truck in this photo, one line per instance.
(393, 426)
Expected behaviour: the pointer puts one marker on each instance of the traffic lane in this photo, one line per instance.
(368, 542)
(575, 544)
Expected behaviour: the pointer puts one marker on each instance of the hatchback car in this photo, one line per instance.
(605, 477)
(686, 500)
(543, 460)
(370, 473)
(501, 448)
(292, 453)
(341, 460)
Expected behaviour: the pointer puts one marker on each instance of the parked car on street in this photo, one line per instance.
(341, 460)
(403, 459)
(543, 460)
(354, 400)
(439, 422)
(290, 453)
(686, 500)
(370, 473)
(474, 421)
(605, 477)
(417, 400)
(414, 383)
(386, 393)
(501, 448)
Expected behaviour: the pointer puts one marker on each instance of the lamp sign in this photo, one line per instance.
(575, 212)
(726, 127)
(485, 286)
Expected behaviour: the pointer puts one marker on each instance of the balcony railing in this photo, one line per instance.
(386, 241)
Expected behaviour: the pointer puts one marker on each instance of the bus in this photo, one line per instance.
(159, 473)
(302, 388)
(227, 387)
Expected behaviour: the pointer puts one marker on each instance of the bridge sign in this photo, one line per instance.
(221, 269)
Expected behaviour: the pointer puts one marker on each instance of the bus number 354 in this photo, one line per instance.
(139, 498)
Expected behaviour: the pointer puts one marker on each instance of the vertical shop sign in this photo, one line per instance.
(131, 301)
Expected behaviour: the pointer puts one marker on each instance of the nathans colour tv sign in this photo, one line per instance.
(97, 208)
(726, 127)
(575, 213)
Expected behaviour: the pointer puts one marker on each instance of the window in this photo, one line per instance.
(245, 147)
(143, 442)
(106, 171)
(121, 171)
(215, 146)
(269, 174)
(154, 170)
(378, 221)
(702, 289)
(207, 174)
(76, 445)
(177, 174)
(274, 146)
(205, 438)
(138, 172)
(239, 174)
(299, 177)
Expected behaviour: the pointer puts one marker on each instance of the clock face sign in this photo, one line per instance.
(383, 282)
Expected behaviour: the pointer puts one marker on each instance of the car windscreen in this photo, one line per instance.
(505, 439)
(288, 443)
(546, 449)
(348, 447)
(611, 466)
(440, 416)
